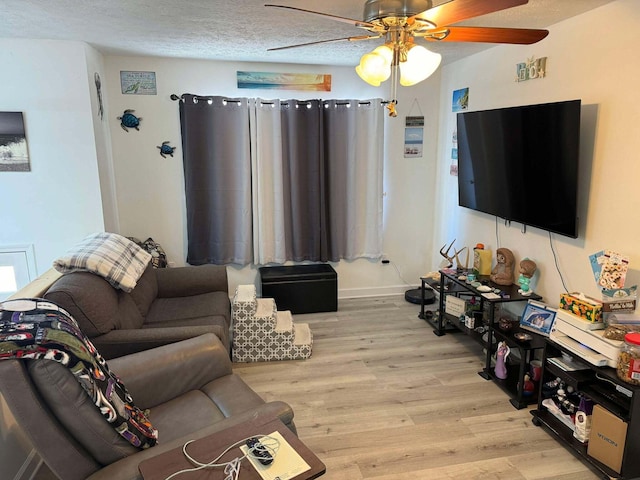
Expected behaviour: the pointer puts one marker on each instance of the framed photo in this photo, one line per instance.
(14, 155)
(538, 318)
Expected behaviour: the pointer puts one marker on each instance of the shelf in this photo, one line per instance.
(451, 285)
(565, 436)
(598, 383)
(537, 341)
(510, 386)
(602, 385)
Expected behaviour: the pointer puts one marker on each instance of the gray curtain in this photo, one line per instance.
(276, 181)
(353, 179)
(302, 157)
(217, 172)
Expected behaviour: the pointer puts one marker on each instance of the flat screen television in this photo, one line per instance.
(521, 164)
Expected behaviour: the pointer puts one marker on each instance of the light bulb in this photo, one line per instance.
(420, 64)
(375, 67)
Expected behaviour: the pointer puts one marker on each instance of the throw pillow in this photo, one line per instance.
(115, 258)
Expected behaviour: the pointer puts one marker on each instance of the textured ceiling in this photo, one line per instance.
(238, 30)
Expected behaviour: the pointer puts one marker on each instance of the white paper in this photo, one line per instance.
(287, 463)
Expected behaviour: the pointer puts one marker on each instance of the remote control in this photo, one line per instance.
(260, 451)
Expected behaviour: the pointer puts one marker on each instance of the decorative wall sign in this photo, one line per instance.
(460, 100)
(138, 83)
(14, 156)
(285, 81)
(531, 69)
(413, 136)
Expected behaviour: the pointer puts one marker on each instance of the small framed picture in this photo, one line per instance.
(538, 318)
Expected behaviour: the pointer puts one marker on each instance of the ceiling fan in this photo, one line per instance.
(402, 21)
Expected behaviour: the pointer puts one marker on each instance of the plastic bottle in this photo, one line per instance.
(629, 359)
(481, 260)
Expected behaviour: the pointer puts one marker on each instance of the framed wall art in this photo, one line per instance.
(14, 155)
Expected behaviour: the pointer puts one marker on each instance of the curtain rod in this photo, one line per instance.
(175, 97)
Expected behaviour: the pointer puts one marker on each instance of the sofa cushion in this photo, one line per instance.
(84, 423)
(114, 257)
(185, 414)
(94, 303)
(193, 307)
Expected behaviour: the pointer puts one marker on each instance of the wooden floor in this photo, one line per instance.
(384, 398)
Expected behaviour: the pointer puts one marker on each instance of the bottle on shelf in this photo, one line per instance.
(481, 260)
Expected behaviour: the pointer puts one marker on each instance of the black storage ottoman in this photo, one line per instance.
(301, 288)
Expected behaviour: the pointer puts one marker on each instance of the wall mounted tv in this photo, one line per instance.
(521, 164)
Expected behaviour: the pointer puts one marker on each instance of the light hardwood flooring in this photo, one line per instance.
(384, 398)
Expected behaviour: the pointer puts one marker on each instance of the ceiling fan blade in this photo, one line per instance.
(356, 23)
(521, 36)
(350, 39)
(455, 11)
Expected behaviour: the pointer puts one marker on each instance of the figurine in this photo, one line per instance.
(528, 386)
(527, 269)
(501, 360)
(502, 273)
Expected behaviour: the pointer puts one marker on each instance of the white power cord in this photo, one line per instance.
(231, 468)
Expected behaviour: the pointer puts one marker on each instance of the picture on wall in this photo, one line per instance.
(413, 136)
(14, 156)
(460, 100)
(284, 81)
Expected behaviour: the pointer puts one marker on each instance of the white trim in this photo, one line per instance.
(375, 291)
(30, 256)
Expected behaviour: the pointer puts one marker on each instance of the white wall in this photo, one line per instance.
(58, 201)
(582, 63)
(150, 189)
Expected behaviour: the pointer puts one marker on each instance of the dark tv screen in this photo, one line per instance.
(521, 164)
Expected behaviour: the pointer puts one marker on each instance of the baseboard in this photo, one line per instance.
(374, 291)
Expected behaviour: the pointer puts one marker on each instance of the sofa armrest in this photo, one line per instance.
(118, 343)
(191, 280)
(127, 468)
(161, 374)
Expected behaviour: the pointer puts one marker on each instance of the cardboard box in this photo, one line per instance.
(585, 307)
(607, 438)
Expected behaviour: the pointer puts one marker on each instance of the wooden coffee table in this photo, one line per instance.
(206, 449)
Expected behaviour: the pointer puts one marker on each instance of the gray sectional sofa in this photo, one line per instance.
(167, 305)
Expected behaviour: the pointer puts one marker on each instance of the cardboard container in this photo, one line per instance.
(587, 308)
(607, 438)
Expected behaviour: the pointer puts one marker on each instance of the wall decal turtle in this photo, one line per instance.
(129, 120)
(166, 149)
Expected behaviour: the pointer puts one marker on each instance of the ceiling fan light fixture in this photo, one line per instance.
(420, 65)
(375, 67)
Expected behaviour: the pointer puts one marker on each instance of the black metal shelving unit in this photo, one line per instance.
(602, 385)
(443, 323)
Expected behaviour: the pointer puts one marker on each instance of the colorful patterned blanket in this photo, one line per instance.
(39, 329)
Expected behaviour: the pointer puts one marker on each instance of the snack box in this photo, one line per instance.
(581, 305)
